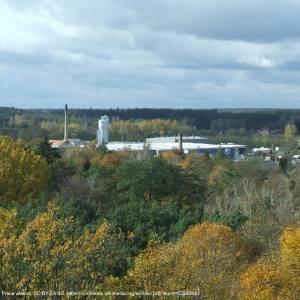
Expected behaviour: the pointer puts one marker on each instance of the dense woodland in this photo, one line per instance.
(90, 220)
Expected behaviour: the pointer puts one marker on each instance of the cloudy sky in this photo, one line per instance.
(153, 53)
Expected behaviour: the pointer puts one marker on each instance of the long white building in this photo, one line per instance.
(232, 150)
(175, 139)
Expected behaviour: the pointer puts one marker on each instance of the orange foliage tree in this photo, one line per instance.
(172, 155)
(114, 159)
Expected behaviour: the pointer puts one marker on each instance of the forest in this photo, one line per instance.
(90, 220)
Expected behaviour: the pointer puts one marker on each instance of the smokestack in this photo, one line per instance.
(180, 143)
(66, 124)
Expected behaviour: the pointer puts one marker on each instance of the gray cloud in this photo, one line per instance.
(156, 53)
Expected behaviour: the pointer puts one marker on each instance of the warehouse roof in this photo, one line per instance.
(158, 146)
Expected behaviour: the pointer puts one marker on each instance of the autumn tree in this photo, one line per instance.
(79, 158)
(213, 255)
(22, 173)
(155, 268)
(97, 255)
(41, 252)
(262, 281)
(141, 129)
(172, 155)
(7, 246)
(207, 260)
(290, 249)
(276, 276)
(196, 168)
(114, 159)
(290, 131)
(51, 253)
(222, 176)
(35, 258)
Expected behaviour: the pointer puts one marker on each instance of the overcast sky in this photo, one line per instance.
(152, 53)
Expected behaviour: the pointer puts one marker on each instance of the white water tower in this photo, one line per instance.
(102, 132)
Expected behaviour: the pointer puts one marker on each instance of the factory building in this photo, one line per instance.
(185, 144)
(231, 150)
(102, 132)
(157, 145)
(175, 139)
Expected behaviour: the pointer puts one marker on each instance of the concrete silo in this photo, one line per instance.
(102, 132)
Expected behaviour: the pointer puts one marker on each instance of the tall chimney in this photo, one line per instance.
(66, 124)
(180, 143)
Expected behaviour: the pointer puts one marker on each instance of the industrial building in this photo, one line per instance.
(175, 139)
(232, 150)
(157, 145)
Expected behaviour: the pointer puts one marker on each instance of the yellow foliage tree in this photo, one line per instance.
(22, 173)
(195, 163)
(290, 249)
(50, 255)
(216, 176)
(212, 258)
(207, 261)
(143, 128)
(262, 281)
(276, 277)
(96, 255)
(155, 267)
(7, 245)
(7, 224)
(19, 120)
(290, 131)
(41, 252)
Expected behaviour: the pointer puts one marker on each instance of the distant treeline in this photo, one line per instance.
(251, 119)
(83, 122)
